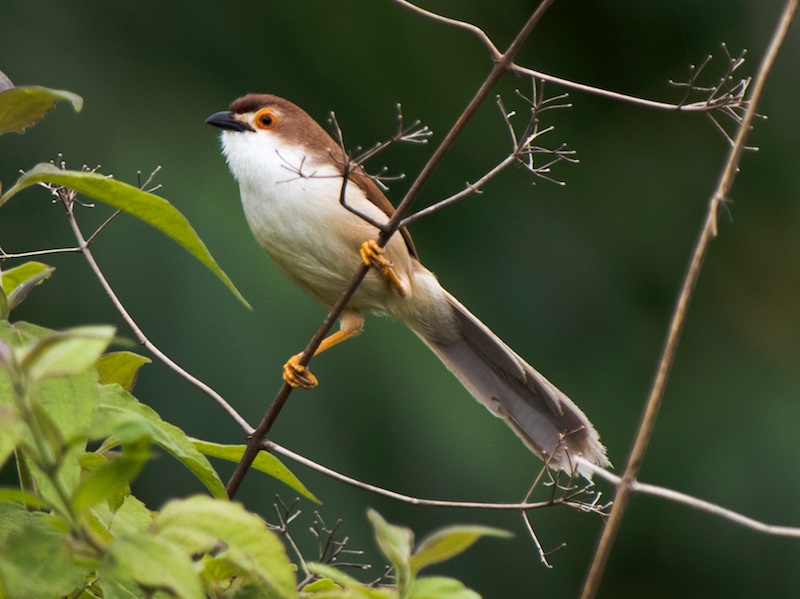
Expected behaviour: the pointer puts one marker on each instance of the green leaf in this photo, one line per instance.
(132, 517)
(395, 543)
(107, 480)
(118, 589)
(14, 495)
(449, 542)
(14, 517)
(21, 333)
(64, 407)
(354, 588)
(116, 403)
(4, 311)
(153, 563)
(321, 584)
(70, 401)
(264, 462)
(65, 352)
(152, 209)
(21, 107)
(12, 428)
(249, 590)
(202, 525)
(121, 368)
(18, 281)
(440, 588)
(38, 561)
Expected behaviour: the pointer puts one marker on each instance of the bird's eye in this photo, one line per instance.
(266, 118)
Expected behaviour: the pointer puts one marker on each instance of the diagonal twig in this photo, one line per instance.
(708, 232)
(83, 248)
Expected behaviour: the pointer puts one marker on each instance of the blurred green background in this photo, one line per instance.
(579, 279)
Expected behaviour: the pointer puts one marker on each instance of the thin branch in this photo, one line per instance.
(708, 232)
(347, 169)
(568, 500)
(106, 222)
(526, 519)
(285, 517)
(682, 106)
(137, 331)
(499, 68)
(542, 553)
(469, 189)
(475, 30)
(699, 504)
(34, 253)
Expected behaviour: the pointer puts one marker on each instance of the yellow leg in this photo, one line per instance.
(372, 255)
(297, 375)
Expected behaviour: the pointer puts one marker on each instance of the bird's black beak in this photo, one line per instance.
(225, 120)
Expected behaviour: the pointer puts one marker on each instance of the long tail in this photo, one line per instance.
(547, 421)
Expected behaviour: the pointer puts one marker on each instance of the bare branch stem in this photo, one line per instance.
(470, 189)
(697, 503)
(475, 30)
(34, 253)
(569, 501)
(137, 331)
(607, 93)
(708, 232)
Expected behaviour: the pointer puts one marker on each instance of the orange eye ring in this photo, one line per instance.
(266, 118)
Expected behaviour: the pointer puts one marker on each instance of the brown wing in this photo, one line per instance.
(376, 196)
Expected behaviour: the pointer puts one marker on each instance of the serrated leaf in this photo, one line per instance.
(99, 530)
(440, 588)
(150, 208)
(250, 590)
(119, 589)
(132, 517)
(115, 402)
(64, 408)
(120, 367)
(264, 462)
(14, 517)
(38, 561)
(449, 542)
(109, 479)
(65, 353)
(353, 589)
(153, 563)
(18, 281)
(70, 401)
(201, 525)
(21, 107)
(395, 543)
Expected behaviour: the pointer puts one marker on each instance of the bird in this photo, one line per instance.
(294, 180)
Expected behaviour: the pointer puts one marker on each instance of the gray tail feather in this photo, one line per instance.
(547, 421)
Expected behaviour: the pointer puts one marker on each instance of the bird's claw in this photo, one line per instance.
(372, 255)
(296, 375)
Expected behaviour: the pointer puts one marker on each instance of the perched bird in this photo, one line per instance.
(291, 175)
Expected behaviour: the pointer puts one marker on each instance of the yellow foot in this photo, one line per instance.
(296, 375)
(372, 255)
